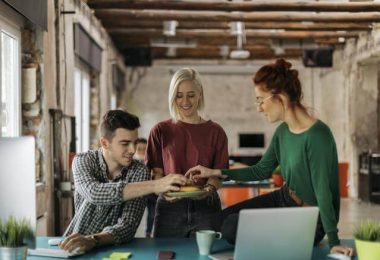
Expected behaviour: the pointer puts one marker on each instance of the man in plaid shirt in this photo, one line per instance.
(110, 187)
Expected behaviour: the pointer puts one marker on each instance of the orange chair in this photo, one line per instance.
(231, 196)
(343, 177)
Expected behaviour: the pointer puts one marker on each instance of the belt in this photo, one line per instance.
(297, 199)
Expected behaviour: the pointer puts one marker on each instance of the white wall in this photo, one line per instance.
(229, 98)
(345, 97)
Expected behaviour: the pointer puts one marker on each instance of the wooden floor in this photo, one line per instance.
(352, 212)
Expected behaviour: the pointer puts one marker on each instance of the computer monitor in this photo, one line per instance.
(251, 140)
(18, 180)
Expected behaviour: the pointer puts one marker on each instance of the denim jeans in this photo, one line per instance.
(278, 198)
(184, 217)
(151, 207)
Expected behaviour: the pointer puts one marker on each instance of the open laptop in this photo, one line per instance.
(18, 181)
(18, 189)
(275, 233)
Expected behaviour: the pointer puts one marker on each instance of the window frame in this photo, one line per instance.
(12, 28)
(82, 97)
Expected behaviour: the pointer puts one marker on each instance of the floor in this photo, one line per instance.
(352, 213)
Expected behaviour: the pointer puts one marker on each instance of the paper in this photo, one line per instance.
(118, 256)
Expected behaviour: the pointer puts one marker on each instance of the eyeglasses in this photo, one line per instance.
(261, 102)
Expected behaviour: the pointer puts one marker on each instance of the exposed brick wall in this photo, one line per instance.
(32, 123)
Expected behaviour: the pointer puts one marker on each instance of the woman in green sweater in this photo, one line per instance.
(302, 145)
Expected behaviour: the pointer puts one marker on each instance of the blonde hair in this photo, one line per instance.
(184, 74)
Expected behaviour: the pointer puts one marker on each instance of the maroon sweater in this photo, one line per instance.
(175, 147)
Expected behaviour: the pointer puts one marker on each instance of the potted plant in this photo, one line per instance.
(367, 241)
(13, 236)
(277, 177)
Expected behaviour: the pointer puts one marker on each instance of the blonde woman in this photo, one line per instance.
(176, 145)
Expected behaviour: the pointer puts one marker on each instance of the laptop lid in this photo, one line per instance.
(276, 233)
(18, 180)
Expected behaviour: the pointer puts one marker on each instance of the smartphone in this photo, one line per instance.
(165, 255)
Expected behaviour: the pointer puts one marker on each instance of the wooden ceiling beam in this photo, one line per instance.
(211, 16)
(123, 40)
(225, 34)
(144, 24)
(324, 42)
(161, 53)
(262, 6)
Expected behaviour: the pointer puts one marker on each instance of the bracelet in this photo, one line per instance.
(210, 187)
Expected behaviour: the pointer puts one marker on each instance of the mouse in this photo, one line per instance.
(339, 256)
(54, 241)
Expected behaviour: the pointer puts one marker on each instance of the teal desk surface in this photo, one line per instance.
(185, 249)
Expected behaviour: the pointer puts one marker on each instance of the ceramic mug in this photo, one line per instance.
(205, 238)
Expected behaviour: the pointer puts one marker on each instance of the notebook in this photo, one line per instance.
(275, 233)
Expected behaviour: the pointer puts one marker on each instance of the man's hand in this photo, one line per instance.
(170, 182)
(342, 250)
(75, 241)
(170, 199)
(200, 171)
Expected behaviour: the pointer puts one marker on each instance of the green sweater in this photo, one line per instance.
(309, 165)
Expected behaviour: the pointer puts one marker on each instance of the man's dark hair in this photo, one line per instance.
(115, 119)
(141, 140)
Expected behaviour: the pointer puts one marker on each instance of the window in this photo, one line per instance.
(82, 109)
(10, 80)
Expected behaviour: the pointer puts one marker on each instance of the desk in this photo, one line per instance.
(248, 184)
(233, 192)
(185, 249)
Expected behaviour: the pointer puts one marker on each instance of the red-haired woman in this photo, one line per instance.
(302, 145)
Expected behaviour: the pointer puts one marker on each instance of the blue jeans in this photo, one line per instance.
(278, 198)
(184, 217)
(151, 207)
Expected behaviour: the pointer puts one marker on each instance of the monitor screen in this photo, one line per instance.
(251, 140)
(18, 180)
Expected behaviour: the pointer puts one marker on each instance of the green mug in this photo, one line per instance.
(205, 238)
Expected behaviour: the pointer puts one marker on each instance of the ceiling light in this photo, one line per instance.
(240, 54)
(224, 50)
(279, 50)
(171, 52)
(169, 27)
(171, 42)
(237, 28)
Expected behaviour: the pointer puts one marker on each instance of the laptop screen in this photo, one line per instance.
(276, 233)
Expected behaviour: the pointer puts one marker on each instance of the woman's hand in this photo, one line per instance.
(210, 190)
(200, 171)
(341, 249)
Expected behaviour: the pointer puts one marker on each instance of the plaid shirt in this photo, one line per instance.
(99, 204)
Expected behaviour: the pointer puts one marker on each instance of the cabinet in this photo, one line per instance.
(369, 177)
